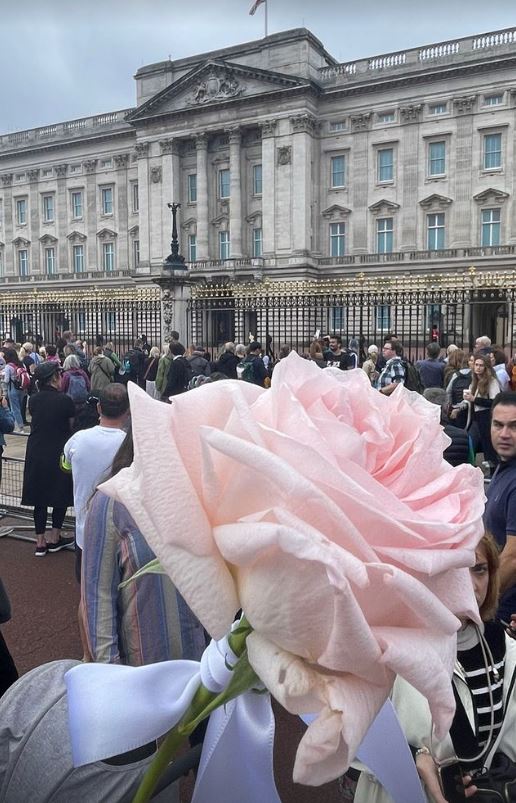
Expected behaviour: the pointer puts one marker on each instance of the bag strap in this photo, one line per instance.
(149, 367)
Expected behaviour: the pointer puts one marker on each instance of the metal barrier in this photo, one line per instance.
(10, 501)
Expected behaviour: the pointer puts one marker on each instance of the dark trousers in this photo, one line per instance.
(8, 673)
(40, 518)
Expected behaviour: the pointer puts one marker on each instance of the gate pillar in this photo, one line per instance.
(175, 295)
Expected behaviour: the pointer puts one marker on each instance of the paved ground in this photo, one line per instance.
(44, 598)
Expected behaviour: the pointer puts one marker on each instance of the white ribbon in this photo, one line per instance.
(113, 709)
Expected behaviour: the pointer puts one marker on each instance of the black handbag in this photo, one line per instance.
(496, 784)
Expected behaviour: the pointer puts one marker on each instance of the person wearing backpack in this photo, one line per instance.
(394, 373)
(459, 381)
(17, 381)
(133, 365)
(102, 370)
(75, 382)
(252, 368)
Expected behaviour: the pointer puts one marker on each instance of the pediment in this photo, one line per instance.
(491, 196)
(220, 220)
(21, 242)
(335, 210)
(186, 224)
(254, 217)
(134, 231)
(106, 234)
(47, 239)
(76, 236)
(214, 82)
(435, 201)
(383, 206)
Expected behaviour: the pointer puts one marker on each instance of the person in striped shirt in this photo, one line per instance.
(146, 621)
(484, 688)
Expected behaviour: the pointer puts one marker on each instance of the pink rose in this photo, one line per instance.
(326, 511)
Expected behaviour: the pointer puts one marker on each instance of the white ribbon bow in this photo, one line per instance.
(113, 709)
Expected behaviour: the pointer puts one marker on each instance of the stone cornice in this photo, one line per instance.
(64, 143)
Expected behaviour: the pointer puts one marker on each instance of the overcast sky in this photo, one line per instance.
(62, 59)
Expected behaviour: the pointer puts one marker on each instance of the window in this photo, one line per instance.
(492, 151)
(48, 208)
(21, 211)
(47, 171)
(337, 239)
(192, 247)
(136, 253)
(386, 117)
(108, 257)
(192, 188)
(78, 259)
(257, 242)
(106, 195)
(1, 262)
(437, 108)
(385, 165)
(338, 171)
(76, 204)
(23, 262)
(106, 163)
(490, 227)
(257, 179)
(338, 125)
(50, 261)
(337, 319)
(223, 244)
(384, 235)
(224, 183)
(111, 320)
(493, 100)
(436, 158)
(435, 231)
(75, 168)
(383, 317)
(135, 197)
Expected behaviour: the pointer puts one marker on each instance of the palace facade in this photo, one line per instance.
(360, 197)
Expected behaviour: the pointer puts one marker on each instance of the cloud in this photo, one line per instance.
(71, 58)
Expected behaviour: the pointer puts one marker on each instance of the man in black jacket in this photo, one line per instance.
(178, 375)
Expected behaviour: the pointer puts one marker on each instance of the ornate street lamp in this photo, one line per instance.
(175, 260)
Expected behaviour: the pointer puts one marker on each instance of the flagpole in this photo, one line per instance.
(266, 20)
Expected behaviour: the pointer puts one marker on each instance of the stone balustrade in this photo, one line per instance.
(448, 52)
(62, 131)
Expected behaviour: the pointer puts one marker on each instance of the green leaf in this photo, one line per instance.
(154, 567)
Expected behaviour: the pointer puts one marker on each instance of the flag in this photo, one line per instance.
(255, 5)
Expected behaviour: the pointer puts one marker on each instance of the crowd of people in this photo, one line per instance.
(80, 435)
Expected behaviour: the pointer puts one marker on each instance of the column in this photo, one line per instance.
(34, 221)
(7, 180)
(411, 162)
(360, 125)
(61, 213)
(171, 187)
(303, 127)
(141, 152)
(122, 212)
(235, 206)
(268, 187)
(91, 257)
(201, 144)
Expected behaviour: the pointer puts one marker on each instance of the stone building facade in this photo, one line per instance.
(362, 197)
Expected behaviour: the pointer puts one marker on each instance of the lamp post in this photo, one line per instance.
(175, 260)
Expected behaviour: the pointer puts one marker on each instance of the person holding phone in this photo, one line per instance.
(483, 731)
